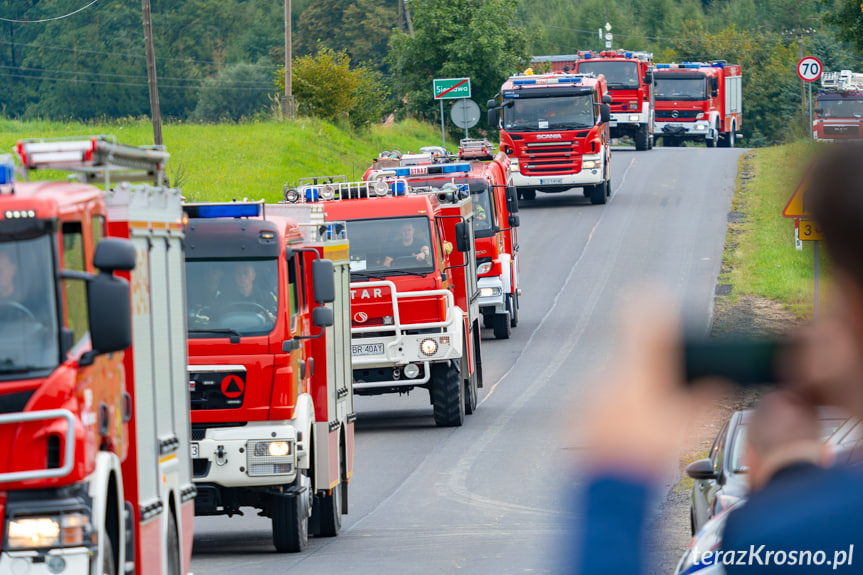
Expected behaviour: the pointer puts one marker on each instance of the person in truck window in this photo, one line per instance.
(245, 287)
(407, 245)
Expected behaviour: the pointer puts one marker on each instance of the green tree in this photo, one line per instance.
(847, 18)
(238, 91)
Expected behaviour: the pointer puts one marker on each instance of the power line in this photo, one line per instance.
(138, 84)
(48, 19)
(141, 76)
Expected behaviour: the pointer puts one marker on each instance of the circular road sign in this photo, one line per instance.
(809, 69)
(465, 113)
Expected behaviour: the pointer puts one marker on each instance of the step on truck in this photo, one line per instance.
(414, 293)
(554, 128)
(269, 366)
(495, 206)
(699, 101)
(838, 115)
(96, 474)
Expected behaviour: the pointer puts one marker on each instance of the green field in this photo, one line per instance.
(760, 257)
(247, 160)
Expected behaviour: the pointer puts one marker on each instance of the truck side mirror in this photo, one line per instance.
(514, 221)
(606, 99)
(322, 317)
(324, 281)
(491, 104)
(110, 314)
(461, 237)
(819, 111)
(604, 113)
(512, 199)
(114, 254)
(493, 117)
(289, 253)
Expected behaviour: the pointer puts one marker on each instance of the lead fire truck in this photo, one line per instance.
(95, 476)
(495, 203)
(270, 372)
(555, 130)
(414, 293)
(839, 107)
(699, 101)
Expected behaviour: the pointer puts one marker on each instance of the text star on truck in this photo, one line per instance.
(698, 101)
(555, 130)
(95, 476)
(414, 293)
(269, 366)
(495, 204)
(838, 113)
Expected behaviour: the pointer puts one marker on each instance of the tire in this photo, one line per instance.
(470, 394)
(528, 195)
(108, 567)
(608, 188)
(174, 564)
(447, 395)
(329, 510)
(488, 320)
(290, 525)
(513, 309)
(642, 138)
(728, 140)
(502, 327)
(711, 142)
(599, 193)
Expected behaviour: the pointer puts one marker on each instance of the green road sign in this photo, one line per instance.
(451, 88)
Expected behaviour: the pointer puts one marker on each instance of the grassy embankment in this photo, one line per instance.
(760, 258)
(250, 160)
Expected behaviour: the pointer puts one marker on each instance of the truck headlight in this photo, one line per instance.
(699, 115)
(69, 530)
(272, 448)
(483, 268)
(489, 291)
(589, 164)
(700, 127)
(428, 346)
(513, 166)
(633, 118)
(270, 457)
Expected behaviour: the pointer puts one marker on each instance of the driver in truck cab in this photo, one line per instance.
(245, 287)
(407, 245)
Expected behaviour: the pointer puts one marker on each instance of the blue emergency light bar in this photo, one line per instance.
(7, 169)
(627, 54)
(406, 171)
(225, 211)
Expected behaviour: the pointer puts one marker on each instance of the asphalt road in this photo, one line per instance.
(493, 496)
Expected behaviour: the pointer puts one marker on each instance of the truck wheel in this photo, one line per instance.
(512, 303)
(173, 546)
(502, 328)
(599, 193)
(528, 194)
(447, 395)
(488, 320)
(470, 394)
(329, 511)
(290, 524)
(642, 138)
(711, 142)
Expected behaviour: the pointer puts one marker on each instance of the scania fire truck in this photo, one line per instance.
(555, 130)
(270, 373)
(95, 476)
(698, 101)
(495, 204)
(414, 293)
(839, 107)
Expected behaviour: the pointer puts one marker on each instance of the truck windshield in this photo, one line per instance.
(29, 323)
(620, 75)
(391, 245)
(681, 88)
(840, 108)
(237, 297)
(480, 193)
(545, 114)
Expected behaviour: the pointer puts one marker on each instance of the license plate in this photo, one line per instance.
(367, 349)
(194, 450)
(550, 181)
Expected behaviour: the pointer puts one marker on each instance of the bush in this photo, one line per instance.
(237, 91)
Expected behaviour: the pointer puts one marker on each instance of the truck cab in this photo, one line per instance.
(838, 114)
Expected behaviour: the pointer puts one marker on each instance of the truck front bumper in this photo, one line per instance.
(696, 129)
(492, 297)
(592, 172)
(72, 560)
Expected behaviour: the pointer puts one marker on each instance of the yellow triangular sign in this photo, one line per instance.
(797, 206)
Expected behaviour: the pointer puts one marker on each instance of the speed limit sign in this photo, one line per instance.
(809, 69)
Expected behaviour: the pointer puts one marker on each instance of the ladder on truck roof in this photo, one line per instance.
(842, 81)
(94, 158)
(387, 184)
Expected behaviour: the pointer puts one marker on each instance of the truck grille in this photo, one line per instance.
(542, 158)
(214, 389)
(677, 114)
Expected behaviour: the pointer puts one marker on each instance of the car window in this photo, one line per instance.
(736, 463)
(717, 452)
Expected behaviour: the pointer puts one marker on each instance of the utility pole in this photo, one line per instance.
(288, 98)
(799, 33)
(401, 15)
(151, 75)
(408, 19)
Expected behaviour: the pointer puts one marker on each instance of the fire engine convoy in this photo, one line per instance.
(270, 372)
(96, 476)
(839, 107)
(698, 101)
(555, 130)
(495, 204)
(414, 293)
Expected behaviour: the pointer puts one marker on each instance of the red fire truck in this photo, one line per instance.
(270, 373)
(495, 203)
(698, 101)
(839, 107)
(95, 477)
(555, 130)
(414, 294)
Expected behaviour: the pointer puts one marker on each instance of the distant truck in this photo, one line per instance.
(95, 474)
(699, 101)
(269, 366)
(838, 114)
(555, 130)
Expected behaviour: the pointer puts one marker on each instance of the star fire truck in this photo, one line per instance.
(555, 130)
(270, 373)
(839, 107)
(698, 101)
(495, 204)
(95, 476)
(414, 293)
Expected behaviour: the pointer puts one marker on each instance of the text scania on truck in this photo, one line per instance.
(414, 293)
(270, 377)
(95, 477)
(555, 130)
(699, 101)
(496, 222)
(838, 113)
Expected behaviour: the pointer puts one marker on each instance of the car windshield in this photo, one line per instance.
(387, 245)
(621, 75)
(29, 323)
(542, 114)
(681, 88)
(840, 108)
(738, 447)
(237, 297)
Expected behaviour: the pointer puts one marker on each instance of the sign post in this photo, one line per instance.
(809, 69)
(449, 89)
(805, 230)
